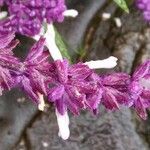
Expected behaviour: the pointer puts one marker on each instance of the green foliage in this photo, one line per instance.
(122, 4)
(62, 46)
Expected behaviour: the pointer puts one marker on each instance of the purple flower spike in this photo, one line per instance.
(144, 6)
(1, 2)
(115, 90)
(7, 60)
(71, 87)
(27, 17)
(31, 75)
(140, 88)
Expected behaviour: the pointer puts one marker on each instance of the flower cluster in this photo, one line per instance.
(75, 87)
(71, 87)
(144, 5)
(27, 16)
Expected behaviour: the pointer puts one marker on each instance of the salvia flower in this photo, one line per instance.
(7, 60)
(73, 87)
(139, 89)
(70, 86)
(114, 90)
(31, 75)
(144, 6)
(27, 17)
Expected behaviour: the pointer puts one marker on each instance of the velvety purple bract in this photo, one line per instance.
(114, 90)
(74, 87)
(70, 86)
(7, 60)
(26, 17)
(139, 92)
(30, 75)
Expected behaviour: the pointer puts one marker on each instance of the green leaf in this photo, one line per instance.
(62, 46)
(122, 4)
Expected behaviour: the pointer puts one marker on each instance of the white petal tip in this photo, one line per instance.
(110, 62)
(3, 15)
(41, 107)
(113, 59)
(41, 104)
(64, 136)
(63, 124)
(71, 13)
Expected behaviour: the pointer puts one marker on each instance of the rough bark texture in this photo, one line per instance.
(24, 128)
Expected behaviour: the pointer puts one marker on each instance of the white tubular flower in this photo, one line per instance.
(110, 62)
(63, 120)
(71, 13)
(41, 104)
(51, 44)
(3, 15)
(63, 124)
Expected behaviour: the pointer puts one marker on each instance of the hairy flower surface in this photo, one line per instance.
(73, 87)
(140, 89)
(70, 86)
(7, 60)
(77, 87)
(111, 92)
(144, 5)
(27, 16)
(30, 75)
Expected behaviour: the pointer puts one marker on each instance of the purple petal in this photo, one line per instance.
(62, 70)
(8, 49)
(116, 79)
(56, 93)
(77, 98)
(94, 99)
(85, 87)
(38, 81)
(146, 98)
(36, 51)
(70, 105)
(109, 100)
(6, 79)
(140, 109)
(79, 71)
(5, 39)
(61, 106)
(121, 97)
(142, 70)
(27, 88)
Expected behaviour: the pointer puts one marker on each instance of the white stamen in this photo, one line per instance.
(118, 22)
(110, 62)
(51, 44)
(106, 16)
(3, 15)
(63, 124)
(41, 104)
(70, 13)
